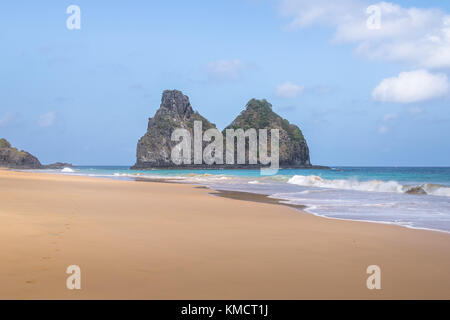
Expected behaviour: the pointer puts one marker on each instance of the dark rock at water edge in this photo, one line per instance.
(11, 157)
(58, 165)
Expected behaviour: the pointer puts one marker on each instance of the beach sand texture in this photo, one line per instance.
(148, 240)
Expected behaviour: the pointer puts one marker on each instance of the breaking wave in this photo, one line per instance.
(371, 186)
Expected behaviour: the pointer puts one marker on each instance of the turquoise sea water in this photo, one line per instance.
(412, 197)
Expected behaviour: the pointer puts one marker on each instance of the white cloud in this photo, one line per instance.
(389, 116)
(6, 118)
(289, 90)
(47, 119)
(307, 12)
(415, 110)
(417, 36)
(225, 69)
(383, 129)
(413, 86)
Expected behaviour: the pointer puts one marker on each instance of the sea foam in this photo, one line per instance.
(371, 185)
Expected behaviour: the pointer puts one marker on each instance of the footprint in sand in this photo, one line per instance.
(46, 258)
(30, 281)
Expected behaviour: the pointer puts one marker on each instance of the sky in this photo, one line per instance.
(366, 88)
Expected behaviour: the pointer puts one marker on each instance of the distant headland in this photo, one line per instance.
(11, 157)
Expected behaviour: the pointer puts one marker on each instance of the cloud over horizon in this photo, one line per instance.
(47, 119)
(413, 86)
(289, 90)
(6, 118)
(225, 69)
(420, 37)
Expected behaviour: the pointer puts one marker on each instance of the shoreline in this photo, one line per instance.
(257, 197)
(254, 197)
(201, 246)
(248, 196)
(225, 167)
(237, 195)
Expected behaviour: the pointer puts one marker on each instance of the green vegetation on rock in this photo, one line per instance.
(4, 143)
(259, 115)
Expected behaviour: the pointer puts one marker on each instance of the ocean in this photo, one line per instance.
(410, 197)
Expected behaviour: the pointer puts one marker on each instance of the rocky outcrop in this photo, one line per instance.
(258, 114)
(58, 165)
(12, 158)
(154, 148)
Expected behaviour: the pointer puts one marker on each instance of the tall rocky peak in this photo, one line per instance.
(176, 111)
(13, 158)
(175, 101)
(293, 148)
(154, 148)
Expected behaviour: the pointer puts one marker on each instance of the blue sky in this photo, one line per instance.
(360, 97)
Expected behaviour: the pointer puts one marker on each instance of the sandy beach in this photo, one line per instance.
(148, 240)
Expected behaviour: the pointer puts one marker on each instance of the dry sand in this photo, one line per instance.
(147, 240)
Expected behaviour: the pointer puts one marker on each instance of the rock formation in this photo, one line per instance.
(12, 158)
(258, 114)
(154, 148)
(58, 165)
